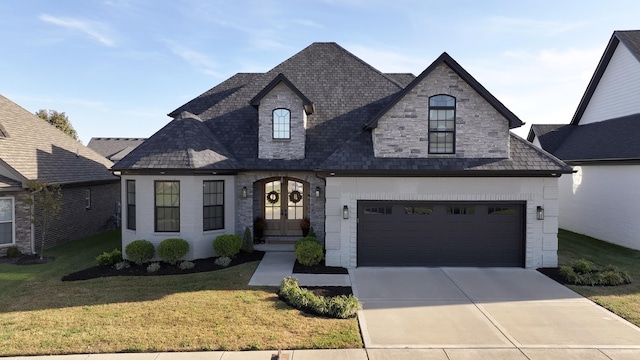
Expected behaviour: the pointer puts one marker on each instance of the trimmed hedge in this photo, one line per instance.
(309, 253)
(227, 245)
(303, 240)
(340, 307)
(584, 272)
(140, 251)
(172, 250)
(109, 258)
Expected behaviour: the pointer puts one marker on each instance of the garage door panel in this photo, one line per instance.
(440, 234)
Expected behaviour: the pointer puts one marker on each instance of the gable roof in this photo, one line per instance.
(629, 38)
(550, 136)
(114, 149)
(308, 104)
(514, 121)
(35, 150)
(347, 93)
(185, 143)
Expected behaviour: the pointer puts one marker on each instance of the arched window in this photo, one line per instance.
(281, 124)
(442, 124)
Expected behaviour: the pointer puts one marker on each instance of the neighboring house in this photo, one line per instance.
(391, 169)
(114, 149)
(31, 149)
(601, 143)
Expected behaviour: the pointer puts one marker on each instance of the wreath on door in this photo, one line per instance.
(295, 196)
(273, 197)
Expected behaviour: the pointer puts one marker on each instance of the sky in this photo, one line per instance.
(117, 67)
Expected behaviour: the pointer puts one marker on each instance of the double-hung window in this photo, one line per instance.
(7, 228)
(442, 124)
(167, 206)
(131, 204)
(213, 205)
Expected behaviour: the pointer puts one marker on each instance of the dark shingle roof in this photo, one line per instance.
(631, 39)
(347, 94)
(34, 150)
(113, 148)
(184, 143)
(550, 136)
(615, 139)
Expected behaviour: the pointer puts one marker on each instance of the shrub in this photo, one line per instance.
(186, 265)
(340, 307)
(13, 252)
(172, 250)
(122, 265)
(140, 251)
(223, 261)
(578, 275)
(109, 258)
(227, 245)
(309, 253)
(153, 267)
(305, 239)
(247, 241)
(583, 266)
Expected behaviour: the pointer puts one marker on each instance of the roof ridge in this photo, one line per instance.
(369, 65)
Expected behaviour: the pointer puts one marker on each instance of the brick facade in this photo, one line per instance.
(480, 132)
(281, 97)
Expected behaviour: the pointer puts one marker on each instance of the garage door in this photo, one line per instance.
(440, 234)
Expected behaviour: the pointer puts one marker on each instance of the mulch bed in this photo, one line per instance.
(318, 269)
(553, 274)
(202, 265)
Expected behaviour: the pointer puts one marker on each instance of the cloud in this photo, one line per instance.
(514, 25)
(389, 61)
(306, 22)
(197, 59)
(95, 30)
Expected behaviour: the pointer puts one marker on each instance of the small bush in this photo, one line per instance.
(122, 265)
(13, 252)
(172, 250)
(340, 307)
(227, 245)
(247, 241)
(140, 251)
(223, 261)
(583, 266)
(109, 258)
(185, 265)
(309, 253)
(303, 240)
(153, 267)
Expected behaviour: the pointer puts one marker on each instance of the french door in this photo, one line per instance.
(284, 205)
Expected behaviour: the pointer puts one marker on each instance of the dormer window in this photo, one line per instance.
(442, 124)
(281, 124)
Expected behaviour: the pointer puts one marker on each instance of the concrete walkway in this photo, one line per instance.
(276, 266)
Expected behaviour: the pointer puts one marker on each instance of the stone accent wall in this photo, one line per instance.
(281, 97)
(75, 221)
(403, 132)
(250, 207)
(22, 225)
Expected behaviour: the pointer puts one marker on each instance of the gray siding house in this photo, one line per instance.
(390, 169)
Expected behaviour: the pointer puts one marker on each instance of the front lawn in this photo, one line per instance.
(40, 314)
(623, 300)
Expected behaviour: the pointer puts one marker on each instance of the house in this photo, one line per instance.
(390, 169)
(601, 143)
(31, 149)
(114, 149)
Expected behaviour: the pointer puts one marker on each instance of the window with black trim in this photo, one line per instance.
(461, 210)
(377, 210)
(167, 206)
(442, 124)
(131, 204)
(281, 124)
(213, 205)
(87, 198)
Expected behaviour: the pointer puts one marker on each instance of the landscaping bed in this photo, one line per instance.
(318, 269)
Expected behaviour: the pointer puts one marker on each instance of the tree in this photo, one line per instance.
(59, 120)
(45, 204)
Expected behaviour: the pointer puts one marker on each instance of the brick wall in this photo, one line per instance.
(22, 225)
(75, 220)
(481, 132)
(281, 97)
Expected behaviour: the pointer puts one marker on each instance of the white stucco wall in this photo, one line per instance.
(602, 201)
(618, 91)
(541, 235)
(200, 242)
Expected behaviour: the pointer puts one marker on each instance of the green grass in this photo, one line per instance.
(623, 300)
(40, 314)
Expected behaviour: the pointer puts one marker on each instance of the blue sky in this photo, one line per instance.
(117, 67)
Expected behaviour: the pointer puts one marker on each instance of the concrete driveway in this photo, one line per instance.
(471, 308)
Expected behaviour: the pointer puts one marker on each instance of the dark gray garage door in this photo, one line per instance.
(440, 234)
